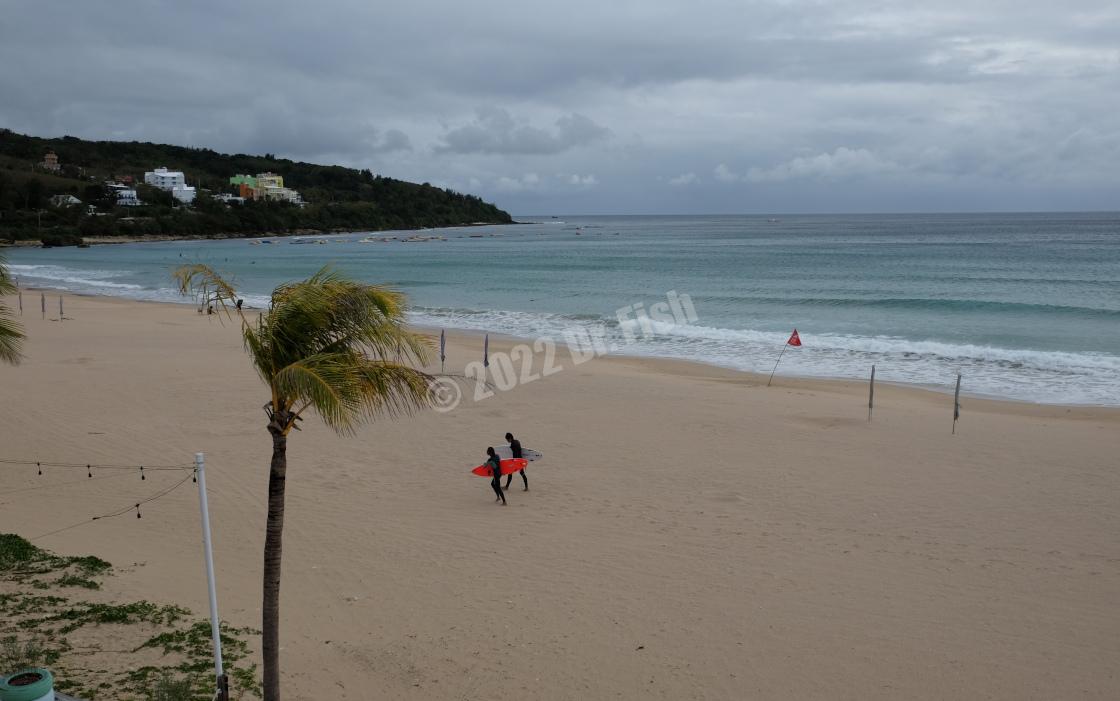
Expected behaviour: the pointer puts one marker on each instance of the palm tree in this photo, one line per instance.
(323, 345)
(11, 335)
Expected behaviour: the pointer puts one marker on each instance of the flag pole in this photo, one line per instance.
(776, 364)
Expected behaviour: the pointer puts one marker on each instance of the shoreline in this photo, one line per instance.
(163, 238)
(693, 367)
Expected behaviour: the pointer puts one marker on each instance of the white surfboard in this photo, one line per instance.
(505, 453)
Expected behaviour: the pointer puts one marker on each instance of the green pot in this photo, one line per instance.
(15, 688)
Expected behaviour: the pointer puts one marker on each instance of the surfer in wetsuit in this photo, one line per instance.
(495, 464)
(515, 448)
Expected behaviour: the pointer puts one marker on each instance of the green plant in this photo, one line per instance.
(73, 580)
(35, 630)
(15, 655)
(167, 688)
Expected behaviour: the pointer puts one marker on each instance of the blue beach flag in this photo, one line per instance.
(486, 352)
(442, 349)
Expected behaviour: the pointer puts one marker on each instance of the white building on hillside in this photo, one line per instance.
(173, 181)
(65, 201)
(282, 194)
(165, 179)
(126, 197)
(184, 194)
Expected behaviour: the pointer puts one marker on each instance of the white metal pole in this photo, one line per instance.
(200, 467)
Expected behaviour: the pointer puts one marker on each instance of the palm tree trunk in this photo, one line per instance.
(270, 608)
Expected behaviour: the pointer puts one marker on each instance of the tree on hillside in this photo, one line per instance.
(33, 194)
(329, 345)
(11, 335)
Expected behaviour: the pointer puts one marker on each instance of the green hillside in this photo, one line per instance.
(336, 198)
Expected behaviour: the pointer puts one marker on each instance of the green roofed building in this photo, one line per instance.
(247, 180)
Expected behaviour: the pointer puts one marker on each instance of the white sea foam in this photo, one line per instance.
(68, 278)
(1028, 375)
(1061, 377)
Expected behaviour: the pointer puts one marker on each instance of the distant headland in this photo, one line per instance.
(70, 191)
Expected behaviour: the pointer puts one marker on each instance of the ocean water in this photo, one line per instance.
(1025, 306)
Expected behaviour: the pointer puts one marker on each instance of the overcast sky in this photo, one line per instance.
(623, 106)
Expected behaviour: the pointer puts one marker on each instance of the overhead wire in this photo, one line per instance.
(135, 506)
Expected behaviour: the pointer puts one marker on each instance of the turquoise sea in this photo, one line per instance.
(1025, 306)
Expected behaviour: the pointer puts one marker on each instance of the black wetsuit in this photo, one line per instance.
(515, 448)
(496, 477)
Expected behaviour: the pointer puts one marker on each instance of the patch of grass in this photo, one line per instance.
(90, 565)
(73, 580)
(15, 655)
(35, 630)
(195, 644)
(20, 558)
(168, 689)
(16, 551)
(85, 613)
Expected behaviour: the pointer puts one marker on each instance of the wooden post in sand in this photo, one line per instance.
(957, 404)
(60, 308)
(21, 302)
(43, 300)
(871, 395)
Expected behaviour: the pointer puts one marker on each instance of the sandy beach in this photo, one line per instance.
(690, 533)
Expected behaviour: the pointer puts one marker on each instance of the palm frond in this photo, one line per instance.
(393, 389)
(11, 338)
(326, 382)
(7, 285)
(331, 345)
(206, 286)
(11, 333)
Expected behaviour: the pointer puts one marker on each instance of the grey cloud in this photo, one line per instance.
(712, 105)
(495, 131)
(684, 179)
(842, 163)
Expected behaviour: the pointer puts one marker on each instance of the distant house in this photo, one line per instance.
(265, 186)
(124, 179)
(228, 198)
(65, 201)
(270, 180)
(126, 196)
(50, 162)
(174, 181)
(243, 180)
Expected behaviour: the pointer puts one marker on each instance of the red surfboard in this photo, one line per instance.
(508, 467)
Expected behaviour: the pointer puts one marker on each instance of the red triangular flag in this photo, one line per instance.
(794, 340)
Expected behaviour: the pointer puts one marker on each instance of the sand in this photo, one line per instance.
(690, 534)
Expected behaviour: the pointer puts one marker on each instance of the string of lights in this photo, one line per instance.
(135, 506)
(92, 465)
